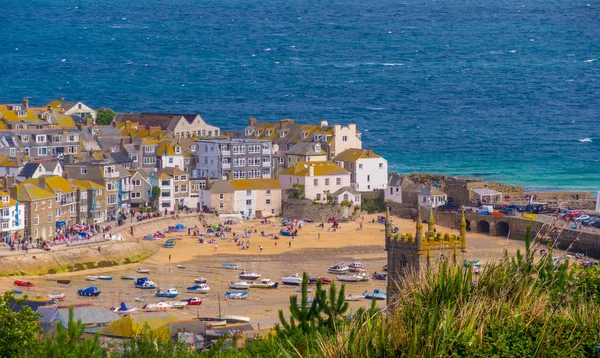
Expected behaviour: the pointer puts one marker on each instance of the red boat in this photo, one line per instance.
(194, 301)
(23, 283)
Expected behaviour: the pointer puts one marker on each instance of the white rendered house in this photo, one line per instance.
(369, 171)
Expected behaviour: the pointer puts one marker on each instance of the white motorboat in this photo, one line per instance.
(379, 295)
(200, 280)
(339, 268)
(264, 283)
(142, 270)
(352, 297)
(356, 267)
(169, 293)
(292, 280)
(139, 299)
(91, 278)
(235, 319)
(236, 295)
(308, 289)
(355, 277)
(123, 309)
(194, 301)
(178, 304)
(156, 307)
(239, 285)
(251, 276)
(202, 288)
(57, 296)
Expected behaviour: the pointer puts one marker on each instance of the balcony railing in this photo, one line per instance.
(111, 175)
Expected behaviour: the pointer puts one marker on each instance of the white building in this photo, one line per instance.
(257, 197)
(369, 171)
(393, 192)
(166, 200)
(319, 179)
(8, 219)
(431, 197)
(72, 108)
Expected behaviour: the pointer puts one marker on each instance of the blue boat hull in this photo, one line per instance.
(86, 294)
(146, 288)
(288, 283)
(167, 295)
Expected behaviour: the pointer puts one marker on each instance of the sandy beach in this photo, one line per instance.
(313, 251)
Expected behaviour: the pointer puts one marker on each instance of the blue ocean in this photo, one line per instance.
(503, 90)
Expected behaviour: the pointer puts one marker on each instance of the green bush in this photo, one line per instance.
(347, 203)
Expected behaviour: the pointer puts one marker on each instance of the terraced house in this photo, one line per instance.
(38, 203)
(65, 197)
(39, 144)
(334, 139)
(178, 125)
(257, 198)
(21, 116)
(234, 159)
(174, 185)
(140, 187)
(10, 223)
(90, 202)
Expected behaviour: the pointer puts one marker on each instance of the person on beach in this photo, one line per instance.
(319, 236)
(290, 244)
(260, 247)
(216, 247)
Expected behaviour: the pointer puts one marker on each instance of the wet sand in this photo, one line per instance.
(307, 253)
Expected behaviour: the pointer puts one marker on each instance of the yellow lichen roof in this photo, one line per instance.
(320, 168)
(10, 162)
(11, 115)
(353, 154)
(11, 201)
(65, 121)
(256, 184)
(53, 183)
(86, 184)
(163, 175)
(146, 141)
(166, 148)
(173, 171)
(31, 192)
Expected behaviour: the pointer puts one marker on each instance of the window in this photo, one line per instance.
(380, 165)
(318, 197)
(221, 196)
(326, 181)
(177, 150)
(35, 206)
(5, 224)
(268, 192)
(248, 202)
(148, 149)
(338, 181)
(368, 178)
(176, 177)
(268, 201)
(43, 204)
(72, 149)
(136, 182)
(110, 186)
(50, 218)
(111, 199)
(71, 138)
(40, 138)
(42, 151)
(254, 148)
(25, 138)
(239, 149)
(221, 206)
(248, 192)
(346, 197)
(177, 188)
(360, 166)
(149, 160)
(170, 160)
(36, 220)
(56, 138)
(315, 182)
(183, 188)
(49, 204)
(99, 192)
(83, 170)
(13, 152)
(134, 158)
(183, 177)
(83, 208)
(344, 138)
(165, 182)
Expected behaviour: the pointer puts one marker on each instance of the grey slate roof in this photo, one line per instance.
(90, 315)
(29, 169)
(120, 157)
(220, 186)
(305, 148)
(344, 189)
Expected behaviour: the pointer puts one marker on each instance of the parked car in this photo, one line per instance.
(509, 211)
(449, 206)
(517, 207)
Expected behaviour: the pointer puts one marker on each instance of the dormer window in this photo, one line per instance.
(5, 199)
(304, 135)
(317, 137)
(25, 138)
(21, 113)
(40, 138)
(317, 148)
(249, 131)
(269, 133)
(324, 138)
(282, 134)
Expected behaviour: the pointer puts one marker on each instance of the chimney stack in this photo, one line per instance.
(311, 170)
(26, 103)
(252, 121)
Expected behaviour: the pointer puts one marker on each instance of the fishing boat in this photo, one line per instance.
(292, 280)
(105, 278)
(200, 280)
(127, 278)
(23, 283)
(308, 289)
(91, 278)
(123, 309)
(249, 275)
(230, 266)
(352, 278)
(214, 322)
(314, 280)
(91, 291)
(178, 304)
(63, 282)
(379, 295)
(356, 266)
(239, 285)
(181, 266)
(142, 270)
(156, 307)
(17, 291)
(194, 301)
(201, 288)
(170, 243)
(264, 283)
(379, 276)
(352, 297)
(139, 299)
(145, 283)
(236, 295)
(235, 319)
(50, 278)
(168, 293)
(57, 296)
(339, 268)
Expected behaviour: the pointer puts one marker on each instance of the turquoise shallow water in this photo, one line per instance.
(504, 90)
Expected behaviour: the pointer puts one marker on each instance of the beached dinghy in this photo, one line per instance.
(292, 280)
(178, 304)
(236, 295)
(105, 278)
(57, 296)
(139, 299)
(181, 266)
(127, 278)
(23, 283)
(63, 282)
(194, 301)
(379, 276)
(91, 278)
(142, 270)
(157, 307)
(351, 278)
(123, 309)
(17, 291)
(235, 319)
(230, 266)
(213, 322)
(201, 288)
(352, 297)
(168, 293)
(308, 289)
(379, 295)
(251, 276)
(239, 285)
(339, 268)
(264, 283)
(50, 278)
(200, 280)
(91, 291)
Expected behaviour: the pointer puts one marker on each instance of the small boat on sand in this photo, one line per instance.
(264, 283)
(239, 285)
(379, 276)
(168, 293)
(157, 307)
(308, 289)
(201, 288)
(194, 301)
(63, 282)
(352, 278)
(127, 278)
(292, 280)
(356, 266)
(200, 280)
(379, 295)
(230, 266)
(236, 295)
(123, 309)
(178, 304)
(91, 278)
(181, 266)
(385, 267)
(142, 270)
(91, 291)
(105, 278)
(17, 291)
(314, 280)
(139, 299)
(57, 296)
(339, 268)
(145, 283)
(50, 278)
(23, 283)
(214, 322)
(352, 297)
(251, 276)
(235, 319)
